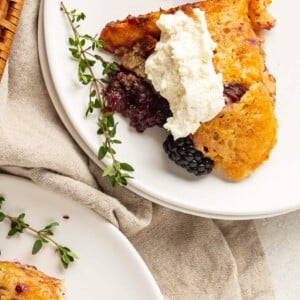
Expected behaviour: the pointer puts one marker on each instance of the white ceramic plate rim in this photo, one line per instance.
(142, 189)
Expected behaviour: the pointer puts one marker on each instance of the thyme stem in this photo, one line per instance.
(117, 171)
(34, 231)
(42, 236)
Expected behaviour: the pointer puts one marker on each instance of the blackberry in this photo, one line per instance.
(183, 153)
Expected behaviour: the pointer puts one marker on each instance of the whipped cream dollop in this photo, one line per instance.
(182, 70)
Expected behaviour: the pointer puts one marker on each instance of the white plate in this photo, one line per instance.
(109, 266)
(63, 116)
(89, 152)
(270, 190)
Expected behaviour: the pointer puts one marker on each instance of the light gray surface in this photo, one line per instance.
(281, 239)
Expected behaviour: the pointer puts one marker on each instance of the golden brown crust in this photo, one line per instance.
(258, 13)
(239, 56)
(24, 282)
(128, 32)
(241, 137)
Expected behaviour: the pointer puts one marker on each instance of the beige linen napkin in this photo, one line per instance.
(190, 257)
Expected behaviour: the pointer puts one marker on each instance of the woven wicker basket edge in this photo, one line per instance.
(10, 12)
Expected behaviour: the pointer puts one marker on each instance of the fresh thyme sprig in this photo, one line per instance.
(85, 50)
(43, 236)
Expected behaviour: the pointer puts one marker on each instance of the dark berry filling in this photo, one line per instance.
(136, 99)
(183, 153)
(21, 287)
(233, 93)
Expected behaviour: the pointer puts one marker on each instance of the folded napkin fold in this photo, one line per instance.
(190, 257)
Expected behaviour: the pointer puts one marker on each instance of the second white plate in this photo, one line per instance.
(108, 265)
